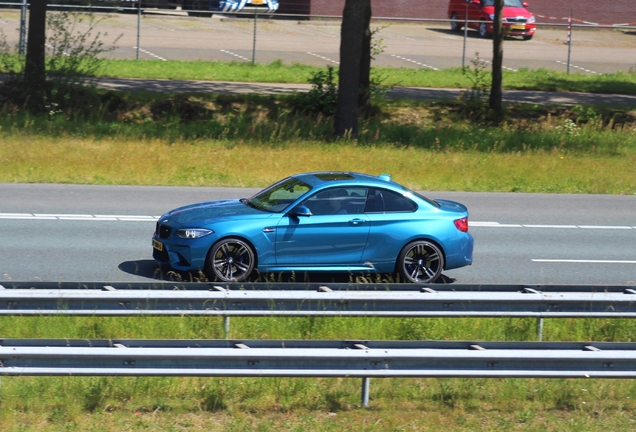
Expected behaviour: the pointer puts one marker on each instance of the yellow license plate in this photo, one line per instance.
(518, 27)
(157, 245)
(258, 2)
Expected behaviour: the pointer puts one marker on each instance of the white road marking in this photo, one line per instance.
(79, 217)
(499, 225)
(585, 261)
(324, 58)
(414, 61)
(235, 55)
(503, 67)
(603, 227)
(150, 54)
(577, 67)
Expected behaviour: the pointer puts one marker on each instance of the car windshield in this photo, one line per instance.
(509, 3)
(278, 196)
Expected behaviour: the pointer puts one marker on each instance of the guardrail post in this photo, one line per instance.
(540, 329)
(366, 381)
(226, 326)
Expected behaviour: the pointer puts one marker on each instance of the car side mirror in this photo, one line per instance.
(299, 211)
(525, 4)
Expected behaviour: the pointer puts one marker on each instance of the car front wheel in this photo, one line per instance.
(230, 260)
(421, 262)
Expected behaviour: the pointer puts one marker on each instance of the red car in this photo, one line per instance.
(516, 19)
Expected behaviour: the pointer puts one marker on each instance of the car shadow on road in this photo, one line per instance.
(152, 270)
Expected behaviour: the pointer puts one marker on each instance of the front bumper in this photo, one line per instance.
(182, 254)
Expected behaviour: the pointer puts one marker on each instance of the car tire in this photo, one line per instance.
(230, 260)
(483, 29)
(527, 37)
(420, 261)
(454, 24)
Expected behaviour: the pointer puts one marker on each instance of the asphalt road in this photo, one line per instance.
(102, 233)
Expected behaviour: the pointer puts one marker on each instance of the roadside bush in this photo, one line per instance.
(322, 97)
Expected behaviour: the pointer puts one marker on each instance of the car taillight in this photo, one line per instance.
(462, 224)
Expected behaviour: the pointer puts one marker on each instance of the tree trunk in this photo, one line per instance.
(35, 69)
(497, 59)
(351, 41)
(364, 98)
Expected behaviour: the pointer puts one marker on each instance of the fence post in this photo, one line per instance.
(23, 14)
(138, 26)
(540, 329)
(254, 42)
(465, 37)
(569, 42)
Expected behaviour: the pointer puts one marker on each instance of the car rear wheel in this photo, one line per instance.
(230, 260)
(527, 37)
(483, 29)
(420, 261)
(455, 26)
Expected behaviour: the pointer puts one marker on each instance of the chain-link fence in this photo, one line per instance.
(153, 34)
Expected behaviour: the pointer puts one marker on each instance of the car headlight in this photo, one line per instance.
(193, 233)
(531, 20)
(492, 17)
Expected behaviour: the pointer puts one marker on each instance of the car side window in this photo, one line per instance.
(387, 201)
(337, 201)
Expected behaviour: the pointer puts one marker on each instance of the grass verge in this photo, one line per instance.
(278, 72)
(251, 141)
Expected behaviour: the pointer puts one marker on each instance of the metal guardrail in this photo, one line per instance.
(382, 300)
(305, 358)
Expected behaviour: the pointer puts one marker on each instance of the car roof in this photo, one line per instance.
(340, 178)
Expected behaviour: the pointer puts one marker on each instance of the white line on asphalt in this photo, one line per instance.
(577, 67)
(585, 261)
(150, 54)
(503, 67)
(322, 57)
(498, 225)
(79, 217)
(235, 55)
(413, 61)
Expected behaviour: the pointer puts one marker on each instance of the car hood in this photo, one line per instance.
(451, 206)
(204, 211)
(513, 12)
(509, 11)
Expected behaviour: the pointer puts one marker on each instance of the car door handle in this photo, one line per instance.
(356, 221)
